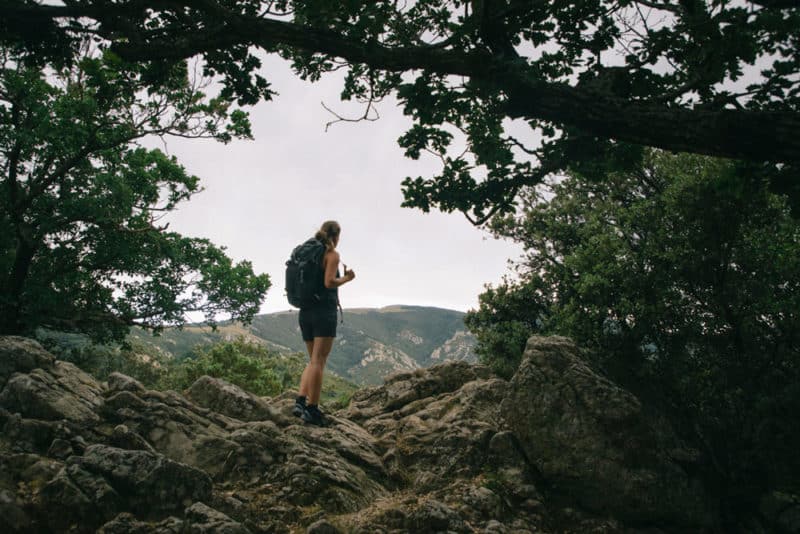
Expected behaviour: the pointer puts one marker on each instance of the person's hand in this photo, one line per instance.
(348, 273)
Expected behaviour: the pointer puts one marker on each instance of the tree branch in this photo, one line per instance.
(775, 4)
(752, 135)
(659, 5)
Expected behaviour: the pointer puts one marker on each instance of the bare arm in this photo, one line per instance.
(331, 263)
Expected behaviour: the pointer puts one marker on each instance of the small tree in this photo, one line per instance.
(81, 248)
(683, 277)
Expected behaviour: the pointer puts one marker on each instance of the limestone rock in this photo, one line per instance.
(483, 502)
(434, 516)
(495, 527)
(21, 355)
(33, 435)
(93, 488)
(61, 449)
(323, 526)
(78, 499)
(590, 439)
(177, 428)
(126, 523)
(338, 468)
(228, 399)
(60, 392)
(119, 382)
(204, 519)
(445, 449)
(124, 438)
(28, 469)
(430, 441)
(403, 388)
(149, 481)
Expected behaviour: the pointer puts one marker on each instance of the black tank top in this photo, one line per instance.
(329, 296)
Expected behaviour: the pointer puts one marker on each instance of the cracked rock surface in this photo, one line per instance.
(451, 448)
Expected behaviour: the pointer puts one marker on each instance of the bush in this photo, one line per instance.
(133, 359)
(248, 365)
(682, 277)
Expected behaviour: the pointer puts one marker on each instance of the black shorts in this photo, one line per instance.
(317, 322)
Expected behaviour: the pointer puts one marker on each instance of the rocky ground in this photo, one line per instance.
(447, 449)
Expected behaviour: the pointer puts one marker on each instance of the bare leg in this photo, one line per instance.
(319, 356)
(304, 377)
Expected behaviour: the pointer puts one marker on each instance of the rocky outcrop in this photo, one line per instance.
(61, 392)
(21, 355)
(459, 347)
(591, 439)
(104, 481)
(451, 448)
(218, 395)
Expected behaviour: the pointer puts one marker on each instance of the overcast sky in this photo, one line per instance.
(263, 197)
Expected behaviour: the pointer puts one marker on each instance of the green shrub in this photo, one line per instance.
(248, 365)
(682, 278)
(134, 359)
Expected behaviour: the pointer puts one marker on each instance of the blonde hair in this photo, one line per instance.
(328, 233)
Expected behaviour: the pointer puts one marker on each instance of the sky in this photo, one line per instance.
(264, 196)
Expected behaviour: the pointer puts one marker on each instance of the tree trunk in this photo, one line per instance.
(11, 304)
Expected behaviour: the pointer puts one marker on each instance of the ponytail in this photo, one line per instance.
(328, 233)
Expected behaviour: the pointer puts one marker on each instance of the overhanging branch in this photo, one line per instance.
(752, 135)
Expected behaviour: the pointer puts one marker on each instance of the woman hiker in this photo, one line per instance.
(318, 325)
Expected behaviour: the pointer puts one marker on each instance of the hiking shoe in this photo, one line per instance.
(313, 416)
(299, 407)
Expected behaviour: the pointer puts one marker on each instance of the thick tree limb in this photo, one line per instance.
(752, 135)
(776, 4)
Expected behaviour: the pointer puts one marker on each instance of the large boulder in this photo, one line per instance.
(95, 487)
(21, 355)
(59, 392)
(442, 438)
(126, 523)
(430, 441)
(229, 399)
(404, 388)
(204, 519)
(150, 481)
(182, 431)
(337, 468)
(432, 422)
(592, 440)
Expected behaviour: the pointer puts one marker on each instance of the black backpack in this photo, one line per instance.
(304, 276)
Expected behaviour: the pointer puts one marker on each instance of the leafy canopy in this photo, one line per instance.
(682, 278)
(81, 247)
(504, 91)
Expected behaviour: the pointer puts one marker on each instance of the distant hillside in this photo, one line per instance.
(370, 344)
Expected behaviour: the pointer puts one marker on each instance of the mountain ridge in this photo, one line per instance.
(371, 343)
